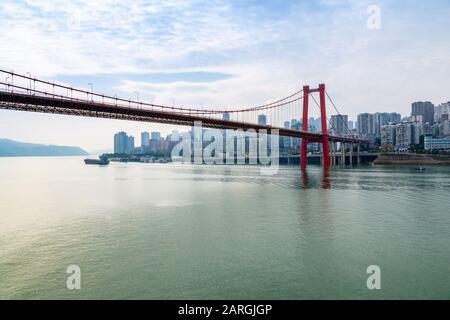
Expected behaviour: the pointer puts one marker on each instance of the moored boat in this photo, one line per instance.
(100, 161)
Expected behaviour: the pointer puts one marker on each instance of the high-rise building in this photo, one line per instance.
(155, 142)
(442, 111)
(418, 130)
(130, 144)
(388, 135)
(339, 124)
(351, 125)
(145, 140)
(296, 125)
(446, 128)
(262, 120)
(403, 135)
(423, 109)
(319, 124)
(156, 136)
(366, 124)
(123, 143)
(395, 117)
(287, 140)
(381, 119)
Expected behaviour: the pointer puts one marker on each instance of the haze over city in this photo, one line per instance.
(219, 54)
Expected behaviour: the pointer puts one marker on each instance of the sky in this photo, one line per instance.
(222, 53)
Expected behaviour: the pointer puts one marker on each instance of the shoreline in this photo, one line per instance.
(412, 159)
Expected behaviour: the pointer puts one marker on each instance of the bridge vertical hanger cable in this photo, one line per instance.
(329, 122)
(331, 100)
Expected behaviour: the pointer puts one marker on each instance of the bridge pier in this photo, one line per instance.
(358, 160)
(342, 154)
(333, 152)
(351, 154)
(336, 154)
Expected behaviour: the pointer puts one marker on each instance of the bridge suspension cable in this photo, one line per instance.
(115, 100)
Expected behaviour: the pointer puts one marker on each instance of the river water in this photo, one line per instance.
(173, 231)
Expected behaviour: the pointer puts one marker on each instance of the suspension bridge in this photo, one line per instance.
(26, 93)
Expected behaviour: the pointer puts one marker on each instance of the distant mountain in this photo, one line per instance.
(11, 148)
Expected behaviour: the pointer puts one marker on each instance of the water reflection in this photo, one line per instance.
(307, 182)
(326, 184)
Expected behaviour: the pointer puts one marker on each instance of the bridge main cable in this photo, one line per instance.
(275, 104)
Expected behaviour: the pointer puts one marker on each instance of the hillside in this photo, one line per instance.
(11, 148)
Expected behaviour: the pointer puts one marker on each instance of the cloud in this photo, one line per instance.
(269, 48)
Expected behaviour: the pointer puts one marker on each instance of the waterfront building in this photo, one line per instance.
(145, 141)
(226, 116)
(130, 144)
(442, 111)
(262, 120)
(394, 117)
(318, 124)
(424, 109)
(431, 143)
(403, 136)
(351, 125)
(287, 141)
(296, 124)
(123, 143)
(381, 119)
(418, 130)
(388, 135)
(339, 124)
(366, 124)
(443, 129)
(156, 136)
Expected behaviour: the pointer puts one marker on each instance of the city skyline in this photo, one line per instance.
(166, 56)
(386, 131)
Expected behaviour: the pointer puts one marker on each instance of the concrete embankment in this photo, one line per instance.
(411, 159)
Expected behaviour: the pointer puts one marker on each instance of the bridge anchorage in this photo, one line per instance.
(25, 93)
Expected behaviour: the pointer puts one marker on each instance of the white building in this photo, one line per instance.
(444, 128)
(440, 110)
(403, 136)
(388, 136)
(437, 144)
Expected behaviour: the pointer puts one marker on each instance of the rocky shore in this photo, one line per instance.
(411, 159)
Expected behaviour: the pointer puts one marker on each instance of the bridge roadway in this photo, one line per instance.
(67, 106)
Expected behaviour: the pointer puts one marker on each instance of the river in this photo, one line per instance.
(174, 231)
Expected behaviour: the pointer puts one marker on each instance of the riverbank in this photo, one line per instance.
(411, 159)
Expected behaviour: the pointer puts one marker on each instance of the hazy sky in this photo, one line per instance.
(221, 53)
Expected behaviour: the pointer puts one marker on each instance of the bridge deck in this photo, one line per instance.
(67, 106)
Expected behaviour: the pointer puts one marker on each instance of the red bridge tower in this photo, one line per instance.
(323, 114)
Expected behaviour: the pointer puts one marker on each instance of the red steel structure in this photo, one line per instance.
(323, 115)
(25, 97)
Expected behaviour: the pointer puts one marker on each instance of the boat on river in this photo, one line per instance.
(101, 161)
